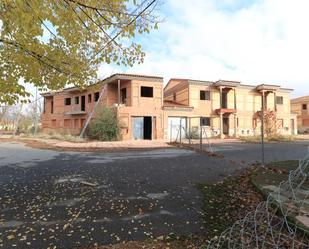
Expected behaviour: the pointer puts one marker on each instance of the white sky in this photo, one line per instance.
(252, 41)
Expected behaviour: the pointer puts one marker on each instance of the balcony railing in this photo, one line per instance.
(75, 110)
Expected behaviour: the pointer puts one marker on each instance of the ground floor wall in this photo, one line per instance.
(229, 125)
(63, 124)
(140, 123)
(303, 124)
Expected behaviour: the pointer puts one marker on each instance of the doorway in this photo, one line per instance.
(83, 104)
(226, 126)
(292, 127)
(142, 128)
(147, 128)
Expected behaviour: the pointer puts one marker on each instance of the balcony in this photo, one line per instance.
(75, 110)
(225, 111)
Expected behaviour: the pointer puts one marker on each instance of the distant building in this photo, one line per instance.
(137, 99)
(147, 111)
(229, 108)
(300, 106)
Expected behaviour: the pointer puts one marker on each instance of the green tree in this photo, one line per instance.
(52, 43)
(105, 126)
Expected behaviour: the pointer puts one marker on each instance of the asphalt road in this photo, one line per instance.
(252, 152)
(139, 195)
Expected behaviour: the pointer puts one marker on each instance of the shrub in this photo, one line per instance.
(193, 134)
(104, 126)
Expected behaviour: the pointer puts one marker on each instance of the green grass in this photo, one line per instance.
(273, 174)
(57, 136)
(216, 208)
(275, 138)
(226, 202)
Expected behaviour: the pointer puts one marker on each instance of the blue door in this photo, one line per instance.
(138, 128)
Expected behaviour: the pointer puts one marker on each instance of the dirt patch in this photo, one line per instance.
(153, 244)
(30, 142)
(228, 201)
(52, 145)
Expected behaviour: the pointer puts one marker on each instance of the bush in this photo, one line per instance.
(104, 126)
(193, 134)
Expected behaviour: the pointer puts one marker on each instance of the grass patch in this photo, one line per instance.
(267, 180)
(273, 174)
(275, 138)
(57, 136)
(226, 202)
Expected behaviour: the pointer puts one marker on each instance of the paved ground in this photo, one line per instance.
(140, 194)
(250, 152)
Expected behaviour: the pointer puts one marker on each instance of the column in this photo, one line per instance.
(221, 125)
(275, 101)
(220, 97)
(235, 125)
(119, 93)
(235, 107)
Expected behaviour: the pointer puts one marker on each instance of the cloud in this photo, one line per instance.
(262, 41)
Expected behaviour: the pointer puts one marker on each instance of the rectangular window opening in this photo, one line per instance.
(304, 106)
(67, 123)
(96, 96)
(123, 95)
(52, 107)
(204, 95)
(146, 92)
(77, 100)
(67, 101)
(279, 100)
(205, 121)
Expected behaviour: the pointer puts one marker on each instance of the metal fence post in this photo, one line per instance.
(262, 130)
(180, 130)
(201, 135)
(189, 130)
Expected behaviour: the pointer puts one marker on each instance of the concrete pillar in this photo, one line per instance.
(220, 97)
(221, 126)
(235, 106)
(235, 125)
(119, 100)
(275, 101)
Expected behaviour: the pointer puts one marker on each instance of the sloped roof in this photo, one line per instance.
(299, 99)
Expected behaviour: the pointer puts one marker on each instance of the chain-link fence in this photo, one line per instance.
(282, 221)
(193, 131)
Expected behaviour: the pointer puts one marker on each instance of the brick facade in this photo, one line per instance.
(146, 110)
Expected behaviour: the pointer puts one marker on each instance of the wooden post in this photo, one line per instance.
(92, 112)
